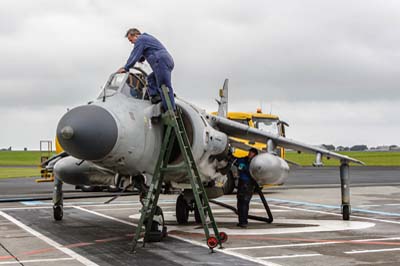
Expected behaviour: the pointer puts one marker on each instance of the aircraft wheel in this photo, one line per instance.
(212, 242)
(58, 213)
(229, 185)
(346, 212)
(182, 210)
(85, 188)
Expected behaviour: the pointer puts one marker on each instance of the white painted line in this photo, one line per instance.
(49, 241)
(118, 209)
(344, 241)
(290, 256)
(372, 250)
(104, 215)
(336, 214)
(238, 255)
(67, 205)
(377, 239)
(378, 205)
(284, 246)
(25, 208)
(34, 261)
(245, 257)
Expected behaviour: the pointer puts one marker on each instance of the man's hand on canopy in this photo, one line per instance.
(121, 70)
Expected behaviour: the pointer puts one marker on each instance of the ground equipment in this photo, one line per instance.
(175, 131)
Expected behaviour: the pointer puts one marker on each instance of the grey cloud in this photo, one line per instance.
(60, 53)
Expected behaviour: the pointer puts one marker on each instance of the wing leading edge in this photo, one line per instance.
(238, 130)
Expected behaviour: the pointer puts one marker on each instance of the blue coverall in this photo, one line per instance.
(160, 61)
(245, 191)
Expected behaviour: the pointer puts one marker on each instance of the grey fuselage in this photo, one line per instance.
(117, 133)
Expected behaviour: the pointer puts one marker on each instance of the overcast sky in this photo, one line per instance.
(331, 69)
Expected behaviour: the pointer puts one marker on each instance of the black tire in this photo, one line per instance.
(58, 213)
(229, 185)
(346, 212)
(182, 210)
(91, 188)
(85, 188)
(113, 189)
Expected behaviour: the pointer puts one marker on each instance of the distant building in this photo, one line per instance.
(382, 148)
(329, 147)
(340, 148)
(359, 148)
(394, 148)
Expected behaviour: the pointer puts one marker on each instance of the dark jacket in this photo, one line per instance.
(151, 49)
(243, 166)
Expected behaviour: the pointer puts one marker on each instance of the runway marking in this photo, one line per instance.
(105, 240)
(336, 214)
(322, 242)
(23, 208)
(49, 241)
(379, 205)
(334, 207)
(290, 256)
(307, 225)
(242, 256)
(283, 246)
(34, 261)
(32, 203)
(378, 239)
(119, 209)
(372, 251)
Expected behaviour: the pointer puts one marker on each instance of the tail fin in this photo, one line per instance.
(223, 102)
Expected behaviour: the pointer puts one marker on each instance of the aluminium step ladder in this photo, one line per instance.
(175, 131)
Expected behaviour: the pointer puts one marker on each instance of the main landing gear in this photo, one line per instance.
(184, 207)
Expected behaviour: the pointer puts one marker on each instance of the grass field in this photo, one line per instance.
(19, 172)
(16, 158)
(369, 158)
(20, 158)
(32, 158)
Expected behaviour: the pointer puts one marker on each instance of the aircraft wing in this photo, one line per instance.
(238, 130)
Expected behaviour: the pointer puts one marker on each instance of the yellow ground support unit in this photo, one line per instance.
(46, 151)
(266, 122)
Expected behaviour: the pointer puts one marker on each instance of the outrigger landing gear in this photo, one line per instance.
(58, 200)
(345, 188)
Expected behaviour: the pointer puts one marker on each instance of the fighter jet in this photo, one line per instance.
(116, 138)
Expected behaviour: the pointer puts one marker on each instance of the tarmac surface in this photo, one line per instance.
(307, 230)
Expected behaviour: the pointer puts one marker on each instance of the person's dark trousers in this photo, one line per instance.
(161, 75)
(244, 194)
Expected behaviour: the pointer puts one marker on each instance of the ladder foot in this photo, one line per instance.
(212, 242)
(223, 237)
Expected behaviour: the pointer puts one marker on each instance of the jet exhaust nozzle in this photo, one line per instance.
(87, 132)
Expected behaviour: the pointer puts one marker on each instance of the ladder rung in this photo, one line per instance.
(174, 169)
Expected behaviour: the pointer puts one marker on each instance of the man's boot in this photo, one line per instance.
(155, 99)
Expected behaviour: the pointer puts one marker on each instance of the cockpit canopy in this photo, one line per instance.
(132, 85)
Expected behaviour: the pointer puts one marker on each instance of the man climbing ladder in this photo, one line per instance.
(175, 131)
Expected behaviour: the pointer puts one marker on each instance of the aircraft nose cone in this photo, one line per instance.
(87, 132)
